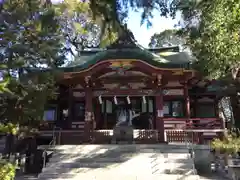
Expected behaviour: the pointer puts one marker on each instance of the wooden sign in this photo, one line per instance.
(205, 99)
(121, 64)
(173, 84)
(173, 92)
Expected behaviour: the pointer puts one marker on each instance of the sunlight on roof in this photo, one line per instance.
(168, 53)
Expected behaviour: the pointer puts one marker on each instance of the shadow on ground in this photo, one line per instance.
(79, 162)
(75, 160)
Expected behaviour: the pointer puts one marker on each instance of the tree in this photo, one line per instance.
(35, 35)
(212, 28)
(169, 37)
(79, 29)
(113, 14)
(31, 38)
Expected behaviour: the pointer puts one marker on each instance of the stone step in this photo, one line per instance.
(120, 177)
(171, 147)
(103, 162)
(160, 166)
(113, 157)
(115, 154)
(71, 172)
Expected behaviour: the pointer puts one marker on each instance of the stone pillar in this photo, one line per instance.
(89, 115)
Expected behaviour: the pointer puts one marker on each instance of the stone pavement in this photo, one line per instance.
(209, 177)
(128, 162)
(119, 162)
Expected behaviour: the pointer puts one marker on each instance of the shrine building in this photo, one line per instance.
(157, 84)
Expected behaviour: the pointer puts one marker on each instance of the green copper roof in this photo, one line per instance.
(177, 57)
(134, 53)
(126, 47)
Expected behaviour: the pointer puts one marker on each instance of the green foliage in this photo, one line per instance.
(9, 128)
(230, 145)
(213, 31)
(7, 170)
(169, 37)
(79, 28)
(31, 39)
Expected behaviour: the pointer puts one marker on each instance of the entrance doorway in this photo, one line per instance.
(143, 109)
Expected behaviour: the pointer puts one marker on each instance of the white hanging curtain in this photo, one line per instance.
(115, 100)
(100, 99)
(128, 100)
(144, 100)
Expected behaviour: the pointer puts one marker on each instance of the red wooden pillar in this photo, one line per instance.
(159, 115)
(200, 138)
(89, 115)
(97, 113)
(187, 104)
(70, 108)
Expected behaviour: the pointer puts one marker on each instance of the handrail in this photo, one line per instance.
(59, 129)
(53, 141)
(44, 158)
(189, 144)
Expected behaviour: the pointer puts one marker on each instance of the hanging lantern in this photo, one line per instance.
(100, 99)
(128, 100)
(115, 100)
(144, 100)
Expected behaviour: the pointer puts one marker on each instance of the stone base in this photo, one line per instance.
(123, 134)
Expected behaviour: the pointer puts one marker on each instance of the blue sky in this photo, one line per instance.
(142, 33)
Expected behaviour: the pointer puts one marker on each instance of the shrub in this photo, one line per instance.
(230, 145)
(7, 170)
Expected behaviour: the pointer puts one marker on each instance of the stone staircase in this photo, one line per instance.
(128, 162)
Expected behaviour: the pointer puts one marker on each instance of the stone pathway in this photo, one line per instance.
(119, 162)
(210, 177)
(129, 162)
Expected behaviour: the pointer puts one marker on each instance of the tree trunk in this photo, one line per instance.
(235, 99)
(235, 109)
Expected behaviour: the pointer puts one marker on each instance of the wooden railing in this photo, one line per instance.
(101, 136)
(176, 136)
(146, 136)
(140, 136)
(175, 131)
(193, 123)
(197, 136)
